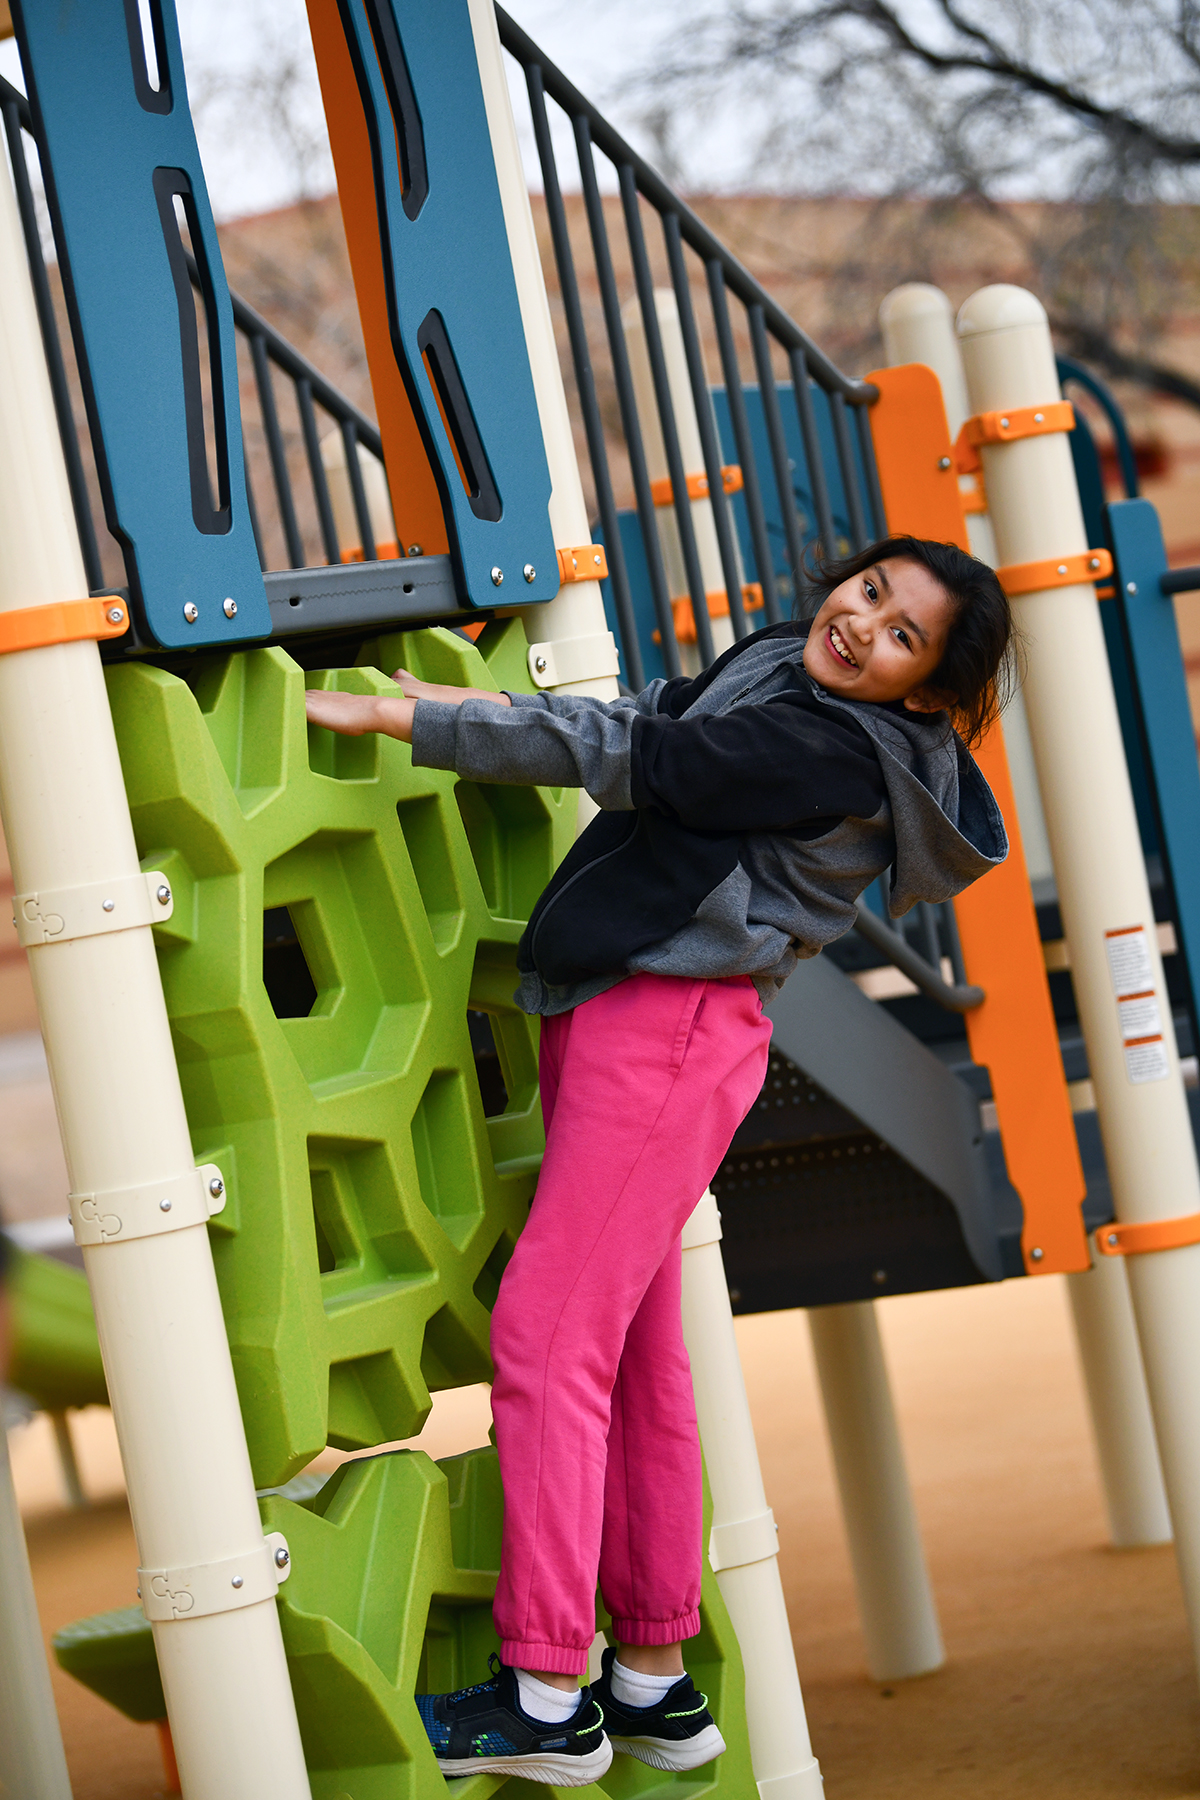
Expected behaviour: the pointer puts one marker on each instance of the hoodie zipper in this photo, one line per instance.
(578, 876)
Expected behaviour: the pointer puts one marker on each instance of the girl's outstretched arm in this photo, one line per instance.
(355, 714)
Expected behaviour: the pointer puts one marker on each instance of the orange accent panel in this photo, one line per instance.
(1054, 571)
(582, 562)
(416, 502)
(662, 493)
(1151, 1234)
(62, 622)
(1013, 1032)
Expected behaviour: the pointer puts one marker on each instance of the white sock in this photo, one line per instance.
(631, 1688)
(548, 1705)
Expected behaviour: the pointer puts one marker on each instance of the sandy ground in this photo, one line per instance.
(1068, 1669)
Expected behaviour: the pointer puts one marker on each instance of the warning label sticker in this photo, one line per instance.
(1132, 971)
(1129, 961)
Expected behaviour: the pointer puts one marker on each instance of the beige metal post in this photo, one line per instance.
(918, 326)
(120, 1112)
(743, 1545)
(1102, 883)
(32, 1764)
(899, 1616)
(690, 449)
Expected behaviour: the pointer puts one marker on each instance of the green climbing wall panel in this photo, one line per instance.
(337, 913)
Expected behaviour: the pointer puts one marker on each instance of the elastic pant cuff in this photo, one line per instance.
(656, 1631)
(560, 1659)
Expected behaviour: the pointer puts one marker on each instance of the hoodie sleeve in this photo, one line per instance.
(544, 740)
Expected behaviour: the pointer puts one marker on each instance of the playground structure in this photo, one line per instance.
(363, 1186)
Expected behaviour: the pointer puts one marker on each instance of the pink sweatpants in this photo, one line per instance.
(642, 1089)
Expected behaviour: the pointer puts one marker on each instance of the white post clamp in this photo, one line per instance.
(118, 1214)
(743, 1541)
(568, 660)
(193, 1593)
(52, 916)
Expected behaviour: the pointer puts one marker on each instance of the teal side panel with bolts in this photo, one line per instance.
(453, 311)
(128, 203)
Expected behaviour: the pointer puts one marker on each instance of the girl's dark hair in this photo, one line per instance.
(977, 672)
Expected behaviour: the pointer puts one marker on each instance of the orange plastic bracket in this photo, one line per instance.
(663, 494)
(718, 608)
(62, 622)
(1006, 427)
(1066, 571)
(582, 562)
(1152, 1234)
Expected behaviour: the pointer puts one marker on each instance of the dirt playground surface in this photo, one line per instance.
(1068, 1669)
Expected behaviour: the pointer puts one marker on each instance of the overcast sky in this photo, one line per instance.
(224, 40)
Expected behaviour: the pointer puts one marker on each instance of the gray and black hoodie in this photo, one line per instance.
(742, 815)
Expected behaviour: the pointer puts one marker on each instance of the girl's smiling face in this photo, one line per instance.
(880, 635)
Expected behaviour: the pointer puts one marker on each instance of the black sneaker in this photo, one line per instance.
(484, 1730)
(678, 1733)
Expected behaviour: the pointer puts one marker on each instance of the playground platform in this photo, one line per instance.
(1068, 1671)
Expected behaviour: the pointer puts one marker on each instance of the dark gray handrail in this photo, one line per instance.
(959, 997)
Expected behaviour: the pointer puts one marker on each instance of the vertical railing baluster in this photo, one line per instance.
(316, 468)
(810, 437)
(681, 500)
(358, 492)
(773, 419)
(585, 382)
(275, 451)
(845, 453)
(740, 423)
(626, 400)
(702, 400)
(253, 508)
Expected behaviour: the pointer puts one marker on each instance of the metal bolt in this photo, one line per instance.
(116, 614)
(497, 577)
(229, 608)
(164, 1206)
(108, 906)
(216, 1187)
(191, 612)
(1093, 562)
(1004, 424)
(415, 550)
(139, 1593)
(596, 559)
(162, 894)
(529, 571)
(1113, 1239)
(879, 1277)
(540, 664)
(943, 462)
(1131, 587)
(1039, 418)
(237, 1581)
(1036, 1255)
(282, 1559)
(1062, 568)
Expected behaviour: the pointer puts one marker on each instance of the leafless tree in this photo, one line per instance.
(944, 110)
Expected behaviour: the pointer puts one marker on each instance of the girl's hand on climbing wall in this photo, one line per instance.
(354, 714)
(449, 696)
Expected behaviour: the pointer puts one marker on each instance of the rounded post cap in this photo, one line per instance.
(914, 300)
(999, 308)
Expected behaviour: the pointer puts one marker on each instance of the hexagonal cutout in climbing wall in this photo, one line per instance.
(444, 1148)
(286, 974)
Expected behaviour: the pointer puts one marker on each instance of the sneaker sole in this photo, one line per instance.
(554, 1770)
(675, 1754)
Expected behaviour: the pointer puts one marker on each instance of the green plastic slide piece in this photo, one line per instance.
(393, 1570)
(55, 1352)
(113, 1654)
(371, 1206)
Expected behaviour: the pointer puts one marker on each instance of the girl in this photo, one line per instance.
(742, 815)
